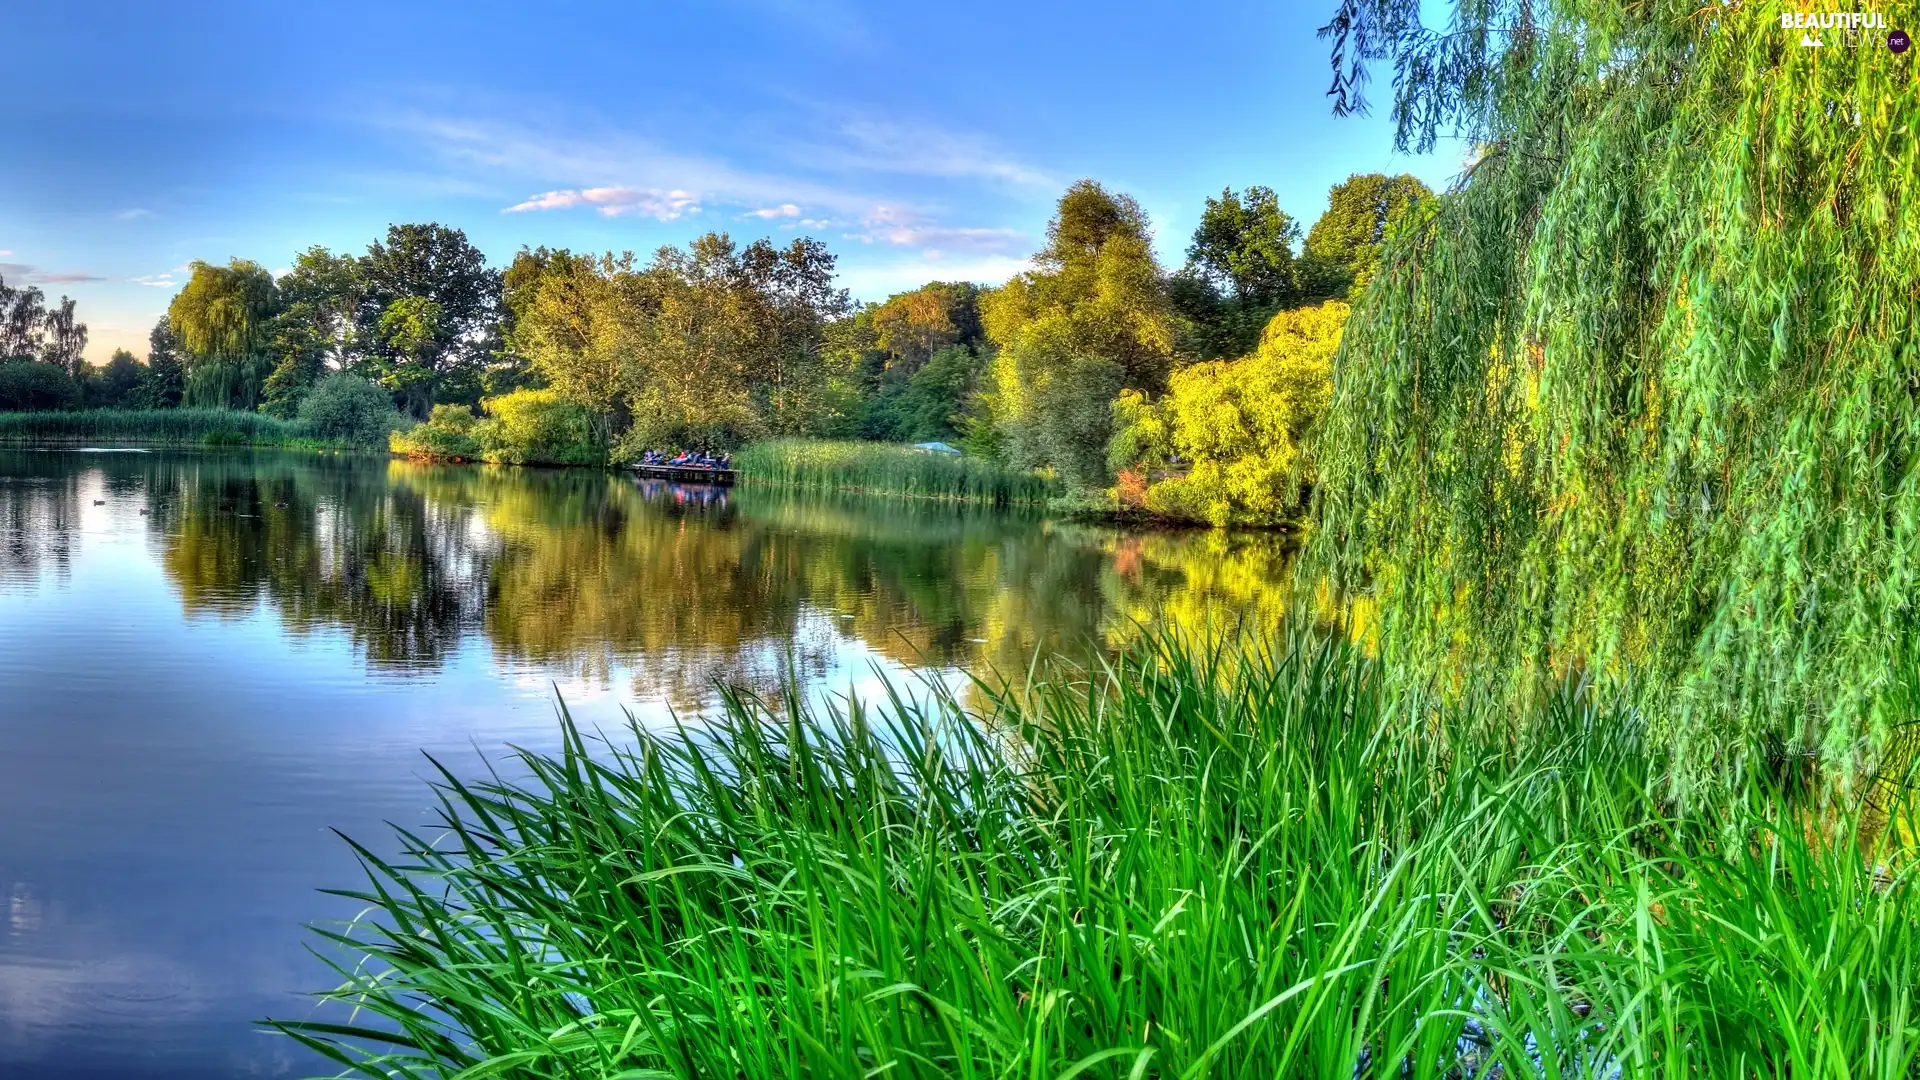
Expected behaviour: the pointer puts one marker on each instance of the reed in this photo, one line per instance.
(888, 469)
(153, 427)
(1205, 860)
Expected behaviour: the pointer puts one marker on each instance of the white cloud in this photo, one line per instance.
(610, 161)
(4, 253)
(133, 212)
(616, 202)
(169, 279)
(827, 170)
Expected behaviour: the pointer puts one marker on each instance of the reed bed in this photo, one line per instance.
(153, 427)
(1228, 860)
(884, 468)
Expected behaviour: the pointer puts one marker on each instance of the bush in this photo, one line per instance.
(538, 427)
(31, 386)
(347, 408)
(525, 427)
(449, 433)
(1238, 424)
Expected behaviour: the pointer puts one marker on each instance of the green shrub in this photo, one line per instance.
(888, 469)
(30, 386)
(538, 427)
(346, 408)
(449, 434)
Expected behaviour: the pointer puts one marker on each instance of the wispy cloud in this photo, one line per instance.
(601, 161)
(4, 253)
(903, 228)
(132, 213)
(616, 201)
(832, 170)
(22, 273)
(166, 279)
(874, 144)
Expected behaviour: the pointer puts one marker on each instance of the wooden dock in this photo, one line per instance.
(687, 474)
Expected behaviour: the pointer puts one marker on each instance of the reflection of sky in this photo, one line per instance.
(167, 785)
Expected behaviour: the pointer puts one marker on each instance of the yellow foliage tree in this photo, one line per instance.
(1238, 425)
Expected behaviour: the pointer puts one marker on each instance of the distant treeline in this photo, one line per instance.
(1099, 368)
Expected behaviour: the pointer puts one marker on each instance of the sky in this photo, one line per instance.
(921, 142)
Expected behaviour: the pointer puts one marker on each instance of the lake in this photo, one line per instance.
(209, 660)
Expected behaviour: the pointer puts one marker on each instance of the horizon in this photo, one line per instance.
(222, 133)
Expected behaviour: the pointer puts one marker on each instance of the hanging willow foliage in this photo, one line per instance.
(1640, 397)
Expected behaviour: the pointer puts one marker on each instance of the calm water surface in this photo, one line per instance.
(209, 659)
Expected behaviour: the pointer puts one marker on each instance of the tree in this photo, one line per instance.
(313, 332)
(1091, 320)
(23, 315)
(912, 326)
(28, 385)
(1635, 401)
(120, 380)
(791, 294)
(706, 345)
(348, 408)
(165, 379)
(222, 318)
(66, 338)
(321, 293)
(427, 317)
(1243, 246)
(1240, 270)
(1237, 426)
(1344, 245)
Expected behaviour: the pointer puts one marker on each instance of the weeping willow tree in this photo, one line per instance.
(1640, 397)
(222, 317)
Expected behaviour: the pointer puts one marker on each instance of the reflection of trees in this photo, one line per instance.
(327, 542)
(39, 514)
(592, 574)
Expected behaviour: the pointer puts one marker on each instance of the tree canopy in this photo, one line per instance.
(1344, 245)
(1092, 319)
(1637, 399)
(222, 318)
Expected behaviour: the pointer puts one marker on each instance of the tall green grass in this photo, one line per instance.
(153, 427)
(888, 469)
(1235, 860)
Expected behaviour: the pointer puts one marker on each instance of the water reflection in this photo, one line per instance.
(208, 659)
(592, 575)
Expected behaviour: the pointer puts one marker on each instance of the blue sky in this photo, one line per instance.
(921, 142)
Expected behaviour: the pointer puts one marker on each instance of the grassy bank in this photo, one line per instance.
(154, 427)
(886, 469)
(1202, 863)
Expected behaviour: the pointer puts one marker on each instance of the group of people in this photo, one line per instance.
(688, 459)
